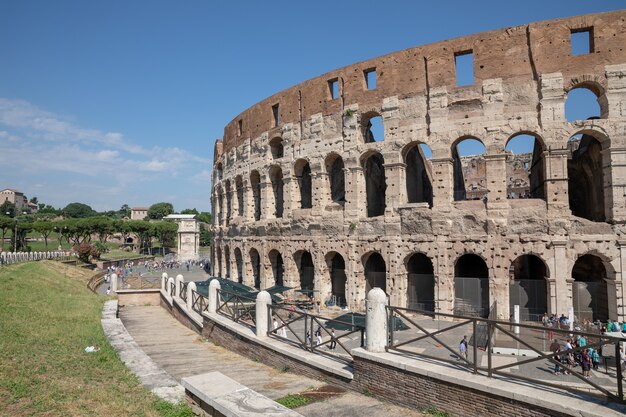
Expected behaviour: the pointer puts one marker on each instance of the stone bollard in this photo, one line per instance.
(164, 281)
(213, 287)
(190, 288)
(179, 283)
(168, 288)
(376, 321)
(263, 299)
(114, 282)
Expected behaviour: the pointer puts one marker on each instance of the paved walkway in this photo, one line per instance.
(181, 353)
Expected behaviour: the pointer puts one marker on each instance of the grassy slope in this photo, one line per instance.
(47, 318)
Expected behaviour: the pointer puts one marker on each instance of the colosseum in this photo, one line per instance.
(354, 179)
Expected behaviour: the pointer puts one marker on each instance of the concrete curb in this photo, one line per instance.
(149, 373)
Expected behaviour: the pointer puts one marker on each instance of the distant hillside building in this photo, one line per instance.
(138, 213)
(517, 171)
(13, 196)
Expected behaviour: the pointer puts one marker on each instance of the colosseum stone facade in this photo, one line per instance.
(306, 193)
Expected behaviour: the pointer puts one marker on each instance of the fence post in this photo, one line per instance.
(114, 282)
(488, 349)
(179, 281)
(214, 285)
(263, 299)
(376, 321)
(618, 369)
(191, 287)
(475, 347)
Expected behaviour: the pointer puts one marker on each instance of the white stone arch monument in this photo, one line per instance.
(188, 236)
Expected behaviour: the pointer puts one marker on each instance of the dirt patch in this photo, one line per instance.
(323, 393)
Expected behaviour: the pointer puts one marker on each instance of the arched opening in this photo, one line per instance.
(528, 287)
(336, 178)
(375, 273)
(227, 262)
(219, 171)
(304, 260)
(421, 283)
(419, 187)
(228, 193)
(470, 170)
(303, 175)
(525, 167)
(582, 103)
(276, 147)
(276, 177)
(255, 184)
(372, 127)
(219, 262)
(471, 286)
(239, 186)
(278, 268)
(337, 269)
(239, 262)
(589, 289)
(585, 175)
(375, 184)
(220, 205)
(255, 262)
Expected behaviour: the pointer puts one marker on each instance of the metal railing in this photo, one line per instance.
(299, 328)
(423, 341)
(236, 307)
(183, 291)
(173, 289)
(199, 303)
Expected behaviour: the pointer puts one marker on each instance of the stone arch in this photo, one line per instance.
(278, 266)
(338, 280)
(255, 263)
(276, 178)
(587, 173)
(469, 168)
(239, 265)
(373, 165)
(240, 192)
(302, 171)
(590, 297)
(375, 270)
(229, 207)
(372, 127)
(219, 171)
(336, 177)
(419, 187)
(255, 185)
(306, 269)
(528, 286)
(276, 147)
(471, 286)
(421, 282)
(585, 99)
(525, 166)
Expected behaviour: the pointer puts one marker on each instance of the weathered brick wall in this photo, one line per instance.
(417, 391)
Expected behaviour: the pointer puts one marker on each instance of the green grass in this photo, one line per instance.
(435, 412)
(115, 254)
(293, 401)
(47, 318)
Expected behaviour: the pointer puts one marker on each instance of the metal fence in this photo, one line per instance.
(173, 289)
(471, 296)
(316, 334)
(199, 303)
(183, 291)
(530, 354)
(238, 308)
(531, 296)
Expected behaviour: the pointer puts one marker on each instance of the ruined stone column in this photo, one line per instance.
(214, 285)
(289, 190)
(248, 201)
(442, 183)
(355, 207)
(497, 203)
(317, 192)
(562, 277)
(263, 299)
(267, 199)
(394, 173)
(376, 321)
(556, 181)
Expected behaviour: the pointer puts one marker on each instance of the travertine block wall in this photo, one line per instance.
(521, 79)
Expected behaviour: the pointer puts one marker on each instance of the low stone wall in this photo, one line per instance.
(120, 262)
(181, 315)
(95, 281)
(148, 297)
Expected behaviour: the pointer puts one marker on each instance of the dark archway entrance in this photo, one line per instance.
(375, 184)
(471, 286)
(589, 289)
(307, 271)
(375, 273)
(278, 268)
(421, 283)
(239, 262)
(528, 287)
(255, 262)
(338, 279)
(586, 178)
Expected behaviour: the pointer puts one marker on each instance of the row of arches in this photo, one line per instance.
(528, 281)
(588, 167)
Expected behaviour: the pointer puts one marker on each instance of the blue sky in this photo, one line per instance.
(115, 102)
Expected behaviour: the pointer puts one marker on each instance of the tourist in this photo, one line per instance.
(319, 338)
(283, 332)
(275, 325)
(333, 340)
(586, 363)
(595, 359)
(463, 348)
(109, 291)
